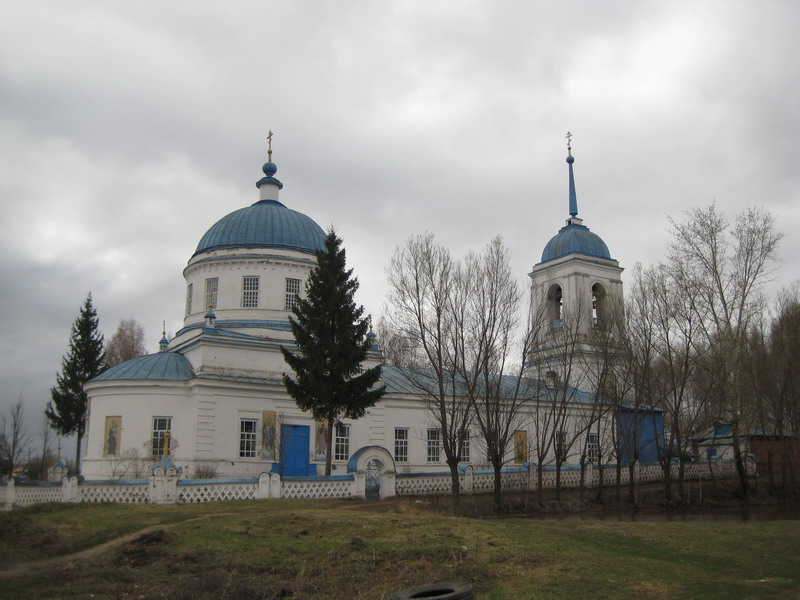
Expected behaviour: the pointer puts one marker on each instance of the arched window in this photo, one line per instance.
(555, 306)
(599, 305)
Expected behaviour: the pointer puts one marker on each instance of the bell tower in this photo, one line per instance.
(576, 300)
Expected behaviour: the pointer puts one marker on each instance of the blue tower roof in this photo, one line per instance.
(161, 366)
(574, 237)
(578, 239)
(265, 224)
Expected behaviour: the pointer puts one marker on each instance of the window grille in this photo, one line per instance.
(463, 456)
(292, 293)
(434, 447)
(161, 428)
(561, 446)
(212, 287)
(401, 444)
(250, 292)
(593, 448)
(248, 434)
(341, 442)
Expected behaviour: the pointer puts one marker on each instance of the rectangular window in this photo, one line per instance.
(341, 442)
(463, 456)
(434, 446)
(292, 293)
(593, 448)
(248, 437)
(189, 292)
(520, 446)
(250, 292)
(400, 444)
(561, 446)
(212, 286)
(161, 429)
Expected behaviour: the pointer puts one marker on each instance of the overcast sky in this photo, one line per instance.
(127, 129)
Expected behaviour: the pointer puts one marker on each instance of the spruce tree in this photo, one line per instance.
(85, 360)
(331, 343)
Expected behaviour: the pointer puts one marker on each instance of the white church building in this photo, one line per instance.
(213, 397)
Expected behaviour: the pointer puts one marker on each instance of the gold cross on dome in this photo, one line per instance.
(269, 146)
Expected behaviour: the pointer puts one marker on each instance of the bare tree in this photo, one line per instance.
(423, 280)
(665, 347)
(486, 322)
(725, 267)
(555, 364)
(15, 436)
(126, 343)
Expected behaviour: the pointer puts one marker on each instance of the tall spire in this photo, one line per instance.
(573, 198)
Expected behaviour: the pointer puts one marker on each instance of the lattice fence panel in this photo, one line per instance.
(214, 492)
(119, 493)
(338, 488)
(421, 486)
(27, 495)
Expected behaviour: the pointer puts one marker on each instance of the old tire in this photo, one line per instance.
(437, 591)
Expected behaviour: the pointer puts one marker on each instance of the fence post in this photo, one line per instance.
(388, 487)
(275, 486)
(360, 485)
(262, 490)
(70, 490)
(163, 486)
(469, 479)
(10, 495)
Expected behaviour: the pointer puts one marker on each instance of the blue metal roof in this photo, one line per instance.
(578, 239)
(161, 366)
(265, 224)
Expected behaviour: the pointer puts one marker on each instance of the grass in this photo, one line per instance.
(347, 549)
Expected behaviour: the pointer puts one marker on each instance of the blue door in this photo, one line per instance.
(295, 446)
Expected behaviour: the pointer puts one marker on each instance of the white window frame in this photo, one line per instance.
(401, 444)
(212, 293)
(593, 448)
(250, 286)
(434, 445)
(189, 292)
(341, 441)
(463, 455)
(161, 427)
(561, 446)
(292, 293)
(248, 437)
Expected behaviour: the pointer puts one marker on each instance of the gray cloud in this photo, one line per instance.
(129, 129)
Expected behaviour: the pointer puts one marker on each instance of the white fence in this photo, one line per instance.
(165, 487)
(519, 478)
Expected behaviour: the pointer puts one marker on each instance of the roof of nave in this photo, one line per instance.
(161, 366)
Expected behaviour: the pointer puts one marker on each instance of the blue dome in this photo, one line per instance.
(161, 366)
(578, 239)
(265, 224)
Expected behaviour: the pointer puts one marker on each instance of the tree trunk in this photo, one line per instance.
(539, 479)
(498, 487)
(329, 452)
(79, 436)
(455, 488)
(741, 468)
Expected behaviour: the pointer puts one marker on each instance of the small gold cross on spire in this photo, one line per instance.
(269, 146)
(569, 143)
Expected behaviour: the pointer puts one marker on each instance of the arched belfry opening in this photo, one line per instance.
(555, 305)
(600, 314)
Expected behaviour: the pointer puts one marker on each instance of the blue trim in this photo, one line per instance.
(218, 481)
(116, 482)
(318, 478)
